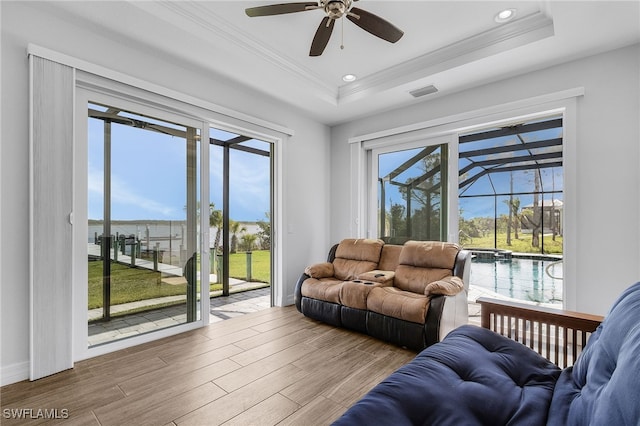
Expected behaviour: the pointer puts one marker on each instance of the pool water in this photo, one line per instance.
(522, 279)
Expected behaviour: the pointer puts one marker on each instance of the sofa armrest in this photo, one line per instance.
(556, 334)
(320, 270)
(445, 314)
(449, 286)
(462, 267)
(297, 292)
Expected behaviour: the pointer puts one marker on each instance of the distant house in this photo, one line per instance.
(549, 219)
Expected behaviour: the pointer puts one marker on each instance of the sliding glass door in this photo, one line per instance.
(143, 214)
(241, 198)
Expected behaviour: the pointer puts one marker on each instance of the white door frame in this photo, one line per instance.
(81, 350)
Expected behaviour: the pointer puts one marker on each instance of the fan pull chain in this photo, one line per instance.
(342, 34)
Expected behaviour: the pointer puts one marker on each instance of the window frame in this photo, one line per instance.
(559, 103)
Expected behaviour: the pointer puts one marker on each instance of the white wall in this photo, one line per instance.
(608, 161)
(306, 233)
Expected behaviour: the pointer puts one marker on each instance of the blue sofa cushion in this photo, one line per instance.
(473, 377)
(603, 387)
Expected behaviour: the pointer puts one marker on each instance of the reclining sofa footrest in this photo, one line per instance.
(397, 331)
(354, 319)
(322, 311)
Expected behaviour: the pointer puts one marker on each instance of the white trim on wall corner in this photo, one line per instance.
(82, 65)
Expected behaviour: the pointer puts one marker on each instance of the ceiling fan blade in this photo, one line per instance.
(322, 36)
(375, 25)
(280, 9)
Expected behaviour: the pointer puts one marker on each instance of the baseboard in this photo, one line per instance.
(289, 300)
(14, 373)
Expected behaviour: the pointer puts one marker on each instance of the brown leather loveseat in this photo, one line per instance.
(411, 295)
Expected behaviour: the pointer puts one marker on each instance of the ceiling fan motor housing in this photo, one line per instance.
(336, 9)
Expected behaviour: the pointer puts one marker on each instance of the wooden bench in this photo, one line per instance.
(556, 334)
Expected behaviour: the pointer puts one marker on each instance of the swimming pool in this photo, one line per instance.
(519, 278)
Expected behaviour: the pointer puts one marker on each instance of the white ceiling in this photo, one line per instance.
(451, 44)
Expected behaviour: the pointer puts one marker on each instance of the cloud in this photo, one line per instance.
(127, 203)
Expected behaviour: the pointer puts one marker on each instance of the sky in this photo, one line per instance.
(490, 184)
(148, 176)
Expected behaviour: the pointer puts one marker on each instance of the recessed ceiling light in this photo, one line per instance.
(505, 15)
(349, 78)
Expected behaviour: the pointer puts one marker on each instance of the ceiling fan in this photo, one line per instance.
(334, 9)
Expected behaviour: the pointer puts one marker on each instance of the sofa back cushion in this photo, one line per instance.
(355, 256)
(422, 262)
(389, 257)
(603, 386)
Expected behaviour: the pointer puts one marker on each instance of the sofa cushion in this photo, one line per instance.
(354, 294)
(396, 303)
(327, 289)
(429, 254)
(416, 279)
(473, 377)
(355, 256)
(423, 262)
(603, 386)
(389, 257)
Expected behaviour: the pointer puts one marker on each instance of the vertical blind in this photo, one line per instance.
(51, 197)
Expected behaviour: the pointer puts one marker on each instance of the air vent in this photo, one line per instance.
(424, 91)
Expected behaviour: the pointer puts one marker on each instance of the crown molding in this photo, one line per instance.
(202, 22)
(203, 18)
(520, 32)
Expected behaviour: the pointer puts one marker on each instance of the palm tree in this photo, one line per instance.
(264, 235)
(515, 206)
(235, 228)
(537, 211)
(215, 220)
(510, 204)
(248, 240)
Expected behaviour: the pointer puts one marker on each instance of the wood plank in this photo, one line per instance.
(153, 409)
(234, 403)
(257, 370)
(268, 335)
(361, 380)
(173, 376)
(320, 411)
(270, 347)
(331, 372)
(269, 412)
(194, 350)
(265, 368)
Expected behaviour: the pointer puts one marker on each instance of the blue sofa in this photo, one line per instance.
(478, 377)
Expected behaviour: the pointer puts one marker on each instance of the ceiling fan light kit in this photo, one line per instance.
(334, 10)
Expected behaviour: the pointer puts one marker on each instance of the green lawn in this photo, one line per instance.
(133, 284)
(128, 285)
(260, 266)
(521, 245)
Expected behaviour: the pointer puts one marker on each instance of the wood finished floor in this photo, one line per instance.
(270, 367)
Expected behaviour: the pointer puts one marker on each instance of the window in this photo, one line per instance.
(511, 187)
(412, 194)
